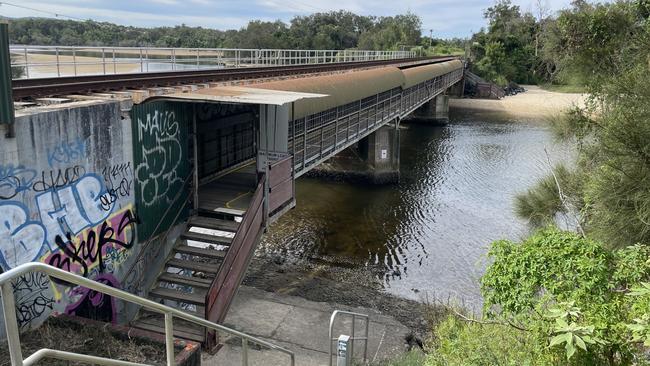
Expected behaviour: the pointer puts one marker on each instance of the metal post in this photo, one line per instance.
(198, 60)
(74, 60)
(146, 55)
(365, 347)
(114, 63)
(354, 320)
(196, 159)
(141, 64)
(26, 64)
(7, 115)
(244, 352)
(173, 59)
(266, 166)
(58, 63)
(169, 338)
(104, 60)
(11, 324)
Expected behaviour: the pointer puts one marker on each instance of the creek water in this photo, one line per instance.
(429, 234)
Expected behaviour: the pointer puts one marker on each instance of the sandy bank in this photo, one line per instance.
(535, 102)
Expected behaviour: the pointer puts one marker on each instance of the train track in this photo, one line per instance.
(25, 89)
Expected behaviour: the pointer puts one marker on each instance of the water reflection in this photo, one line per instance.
(430, 233)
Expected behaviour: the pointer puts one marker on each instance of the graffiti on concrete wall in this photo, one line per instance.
(15, 179)
(161, 154)
(61, 211)
(69, 216)
(33, 297)
(66, 152)
(92, 304)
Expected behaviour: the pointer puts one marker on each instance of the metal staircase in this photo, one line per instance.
(190, 270)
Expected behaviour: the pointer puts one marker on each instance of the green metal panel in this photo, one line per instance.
(162, 167)
(6, 100)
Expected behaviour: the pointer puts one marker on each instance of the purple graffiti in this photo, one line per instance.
(92, 304)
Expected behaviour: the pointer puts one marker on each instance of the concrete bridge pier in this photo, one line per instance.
(435, 110)
(380, 150)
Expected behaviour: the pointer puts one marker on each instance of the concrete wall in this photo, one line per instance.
(67, 198)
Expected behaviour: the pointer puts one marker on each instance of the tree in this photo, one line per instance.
(506, 51)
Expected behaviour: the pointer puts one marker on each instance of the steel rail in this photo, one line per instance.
(42, 87)
(13, 335)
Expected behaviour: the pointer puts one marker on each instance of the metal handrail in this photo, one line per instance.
(13, 336)
(352, 337)
(71, 57)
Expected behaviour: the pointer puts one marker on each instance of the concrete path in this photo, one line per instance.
(301, 326)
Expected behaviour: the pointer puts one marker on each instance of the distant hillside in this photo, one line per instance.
(332, 30)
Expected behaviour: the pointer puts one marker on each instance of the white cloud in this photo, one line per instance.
(128, 17)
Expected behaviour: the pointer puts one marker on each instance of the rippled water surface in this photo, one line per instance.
(428, 234)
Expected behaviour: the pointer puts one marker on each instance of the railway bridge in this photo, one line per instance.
(162, 184)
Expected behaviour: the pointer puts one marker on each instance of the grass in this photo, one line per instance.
(412, 358)
(564, 88)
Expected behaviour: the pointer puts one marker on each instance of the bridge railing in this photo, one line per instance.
(53, 61)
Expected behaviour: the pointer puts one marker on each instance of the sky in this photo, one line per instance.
(447, 18)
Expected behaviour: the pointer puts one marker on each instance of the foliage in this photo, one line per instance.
(590, 41)
(608, 47)
(570, 291)
(473, 344)
(506, 51)
(329, 30)
(541, 203)
(567, 332)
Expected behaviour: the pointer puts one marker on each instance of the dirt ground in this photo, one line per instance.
(535, 102)
(339, 285)
(65, 335)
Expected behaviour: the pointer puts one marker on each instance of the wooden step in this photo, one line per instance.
(214, 224)
(230, 211)
(203, 283)
(153, 318)
(221, 212)
(161, 329)
(206, 238)
(169, 294)
(206, 268)
(200, 252)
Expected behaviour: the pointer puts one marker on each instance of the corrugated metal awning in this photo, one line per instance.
(238, 94)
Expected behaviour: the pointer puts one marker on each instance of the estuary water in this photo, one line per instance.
(429, 234)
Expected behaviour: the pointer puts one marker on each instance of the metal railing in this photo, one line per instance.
(13, 335)
(354, 317)
(317, 137)
(49, 61)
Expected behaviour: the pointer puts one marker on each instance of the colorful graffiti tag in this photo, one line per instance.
(77, 221)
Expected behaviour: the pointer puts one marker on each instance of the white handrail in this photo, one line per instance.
(42, 61)
(13, 336)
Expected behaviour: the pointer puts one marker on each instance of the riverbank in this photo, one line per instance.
(338, 286)
(394, 248)
(534, 103)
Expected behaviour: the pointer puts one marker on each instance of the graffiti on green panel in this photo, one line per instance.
(160, 131)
